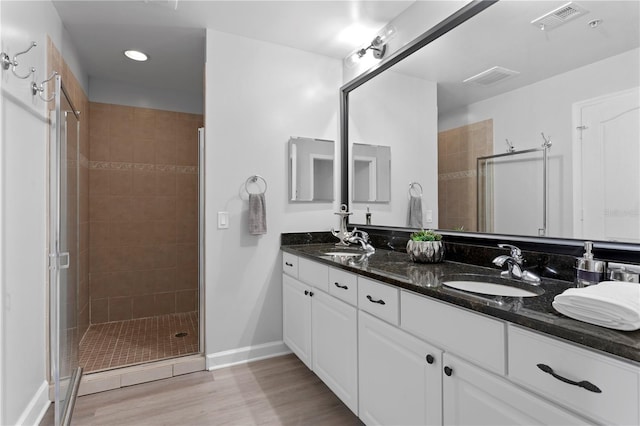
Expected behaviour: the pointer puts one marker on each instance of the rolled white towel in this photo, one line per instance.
(611, 304)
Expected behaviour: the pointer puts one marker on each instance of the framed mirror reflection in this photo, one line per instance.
(498, 78)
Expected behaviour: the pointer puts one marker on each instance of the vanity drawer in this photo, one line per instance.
(618, 382)
(313, 273)
(290, 264)
(474, 337)
(343, 285)
(379, 299)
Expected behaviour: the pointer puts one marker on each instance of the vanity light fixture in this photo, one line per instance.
(378, 46)
(136, 55)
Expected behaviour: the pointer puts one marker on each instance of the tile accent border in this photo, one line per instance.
(143, 167)
(458, 175)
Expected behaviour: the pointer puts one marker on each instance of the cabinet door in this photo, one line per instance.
(335, 346)
(296, 318)
(400, 376)
(472, 396)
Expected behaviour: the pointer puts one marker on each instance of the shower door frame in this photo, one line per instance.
(63, 408)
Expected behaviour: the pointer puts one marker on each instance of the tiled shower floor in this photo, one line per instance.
(121, 343)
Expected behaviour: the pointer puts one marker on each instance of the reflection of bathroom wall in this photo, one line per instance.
(545, 106)
(143, 212)
(80, 102)
(383, 112)
(458, 150)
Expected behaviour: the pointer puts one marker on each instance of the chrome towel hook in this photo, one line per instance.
(40, 89)
(13, 63)
(254, 179)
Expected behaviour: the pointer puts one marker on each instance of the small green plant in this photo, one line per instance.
(425, 235)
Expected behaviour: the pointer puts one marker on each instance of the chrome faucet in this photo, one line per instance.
(514, 262)
(357, 236)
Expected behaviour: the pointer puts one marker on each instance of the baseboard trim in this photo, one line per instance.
(37, 407)
(247, 354)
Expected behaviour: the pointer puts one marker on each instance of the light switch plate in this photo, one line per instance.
(223, 220)
(429, 216)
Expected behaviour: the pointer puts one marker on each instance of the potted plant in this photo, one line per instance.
(425, 246)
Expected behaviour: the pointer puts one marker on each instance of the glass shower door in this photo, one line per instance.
(63, 254)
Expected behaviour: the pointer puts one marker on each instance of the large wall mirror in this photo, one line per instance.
(488, 82)
(311, 169)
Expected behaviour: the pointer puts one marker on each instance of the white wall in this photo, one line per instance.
(23, 212)
(522, 114)
(119, 93)
(400, 112)
(258, 94)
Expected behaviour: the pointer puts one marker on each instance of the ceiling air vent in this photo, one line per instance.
(559, 16)
(491, 76)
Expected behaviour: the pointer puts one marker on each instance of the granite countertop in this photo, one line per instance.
(536, 313)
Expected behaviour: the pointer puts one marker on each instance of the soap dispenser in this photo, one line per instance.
(588, 270)
(368, 216)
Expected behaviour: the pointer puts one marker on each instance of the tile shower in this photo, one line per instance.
(143, 236)
(458, 150)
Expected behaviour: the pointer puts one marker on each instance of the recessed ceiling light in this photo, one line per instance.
(136, 55)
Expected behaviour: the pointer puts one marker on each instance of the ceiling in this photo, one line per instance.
(172, 32)
(503, 35)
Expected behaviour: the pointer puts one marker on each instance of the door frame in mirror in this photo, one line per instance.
(604, 249)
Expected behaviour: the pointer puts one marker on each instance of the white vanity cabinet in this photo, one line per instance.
(473, 396)
(400, 376)
(296, 318)
(321, 329)
(397, 357)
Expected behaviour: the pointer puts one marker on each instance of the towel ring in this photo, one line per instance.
(254, 179)
(415, 186)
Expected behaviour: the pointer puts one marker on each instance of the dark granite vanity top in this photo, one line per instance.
(536, 313)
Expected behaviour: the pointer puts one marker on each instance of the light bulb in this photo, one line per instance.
(387, 34)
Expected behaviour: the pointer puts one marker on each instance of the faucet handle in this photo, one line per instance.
(515, 251)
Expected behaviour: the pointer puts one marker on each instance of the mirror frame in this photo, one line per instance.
(622, 252)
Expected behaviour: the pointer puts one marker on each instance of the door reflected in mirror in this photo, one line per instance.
(311, 169)
(371, 173)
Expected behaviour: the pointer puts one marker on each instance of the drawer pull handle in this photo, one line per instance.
(379, 301)
(583, 384)
(344, 287)
(430, 359)
(448, 371)
(288, 264)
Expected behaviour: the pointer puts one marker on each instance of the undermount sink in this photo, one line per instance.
(494, 286)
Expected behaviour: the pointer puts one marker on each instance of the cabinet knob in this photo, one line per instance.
(311, 293)
(306, 292)
(430, 359)
(448, 371)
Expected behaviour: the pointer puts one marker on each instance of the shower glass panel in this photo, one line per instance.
(512, 192)
(63, 254)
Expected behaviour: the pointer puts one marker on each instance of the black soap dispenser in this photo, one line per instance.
(588, 270)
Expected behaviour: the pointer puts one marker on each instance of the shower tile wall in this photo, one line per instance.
(458, 150)
(80, 101)
(143, 211)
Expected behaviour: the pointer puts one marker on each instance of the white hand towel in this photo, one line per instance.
(257, 214)
(414, 219)
(611, 304)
